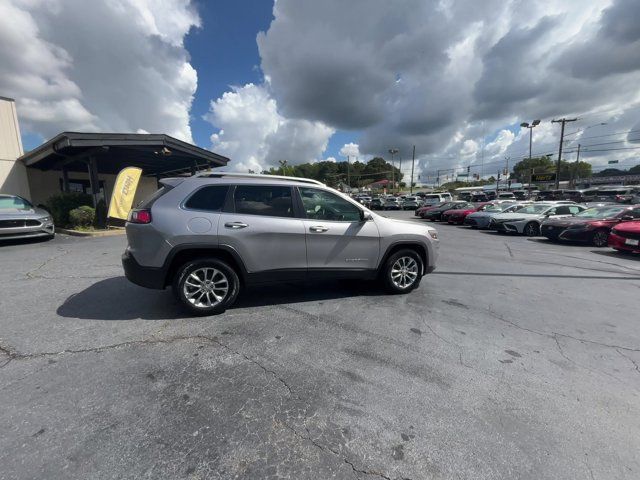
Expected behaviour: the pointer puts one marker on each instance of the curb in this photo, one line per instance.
(101, 233)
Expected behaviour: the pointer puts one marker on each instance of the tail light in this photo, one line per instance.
(140, 216)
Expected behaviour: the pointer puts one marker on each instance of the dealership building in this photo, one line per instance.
(89, 162)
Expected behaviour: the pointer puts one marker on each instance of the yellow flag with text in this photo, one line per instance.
(123, 192)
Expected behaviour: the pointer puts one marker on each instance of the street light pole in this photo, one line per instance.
(413, 163)
(534, 124)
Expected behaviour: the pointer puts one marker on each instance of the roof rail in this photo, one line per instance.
(257, 175)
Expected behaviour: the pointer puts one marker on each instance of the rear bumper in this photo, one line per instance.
(149, 277)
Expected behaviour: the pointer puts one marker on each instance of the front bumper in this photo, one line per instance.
(149, 277)
(25, 229)
(620, 243)
(570, 235)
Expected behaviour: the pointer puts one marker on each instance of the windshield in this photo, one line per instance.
(493, 208)
(600, 212)
(533, 209)
(10, 202)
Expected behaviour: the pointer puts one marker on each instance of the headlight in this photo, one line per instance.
(433, 234)
(46, 219)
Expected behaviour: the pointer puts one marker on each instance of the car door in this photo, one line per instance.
(259, 223)
(337, 237)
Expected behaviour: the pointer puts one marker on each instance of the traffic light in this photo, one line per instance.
(468, 169)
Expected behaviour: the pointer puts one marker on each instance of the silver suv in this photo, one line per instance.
(212, 234)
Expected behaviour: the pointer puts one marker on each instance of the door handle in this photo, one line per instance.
(235, 225)
(318, 229)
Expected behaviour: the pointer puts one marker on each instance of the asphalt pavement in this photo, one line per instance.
(517, 358)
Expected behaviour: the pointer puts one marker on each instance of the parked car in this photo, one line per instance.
(482, 218)
(631, 196)
(457, 216)
(212, 234)
(506, 196)
(625, 237)
(479, 197)
(527, 220)
(520, 194)
(434, 198)
(411, 203)
(592, 225)
(607, 194)
(436, 214)
(392, 203)
(376, 203)
(20, 219)
(424, 208)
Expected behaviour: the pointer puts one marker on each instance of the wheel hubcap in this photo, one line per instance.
(404, 272)
(206, 287)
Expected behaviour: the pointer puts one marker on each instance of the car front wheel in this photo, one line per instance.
(531, 229)
(402, 271)
(206, 286)
(600, 238)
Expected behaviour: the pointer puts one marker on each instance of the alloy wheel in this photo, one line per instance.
(206, 287)
(600, 238)
(404, 272)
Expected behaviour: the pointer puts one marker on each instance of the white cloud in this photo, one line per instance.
(469, 72)
(351, 150)
(108, 65)
(255, 136)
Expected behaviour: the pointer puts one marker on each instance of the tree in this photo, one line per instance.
(522, 169)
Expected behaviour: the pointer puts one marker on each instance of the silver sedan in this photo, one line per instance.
(20, 219)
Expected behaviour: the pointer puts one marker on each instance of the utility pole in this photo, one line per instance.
(348, 175)
(400, 168)
(575, 169)
(393, 151)
(413, 163)
(506, 171)
(562, 121)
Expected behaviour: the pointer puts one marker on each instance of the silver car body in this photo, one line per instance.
(482, 219)
(19, 219)
(515, 222)
(270, 244)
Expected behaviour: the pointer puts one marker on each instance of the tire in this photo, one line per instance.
(600, 238)
(216, 273)
(397, 272)
(531, 229)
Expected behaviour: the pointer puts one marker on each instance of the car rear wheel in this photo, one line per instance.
(531, 229)
(600, 238)
(402, 271)
(206, 286)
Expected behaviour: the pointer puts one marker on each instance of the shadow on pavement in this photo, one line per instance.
(118, 299)
(618, 255)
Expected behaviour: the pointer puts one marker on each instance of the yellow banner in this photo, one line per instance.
(123, 192)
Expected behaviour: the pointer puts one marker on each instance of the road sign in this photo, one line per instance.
(611, 162)
(543, 177)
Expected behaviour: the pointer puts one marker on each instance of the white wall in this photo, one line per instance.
(13, 175)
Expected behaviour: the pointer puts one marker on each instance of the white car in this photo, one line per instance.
(527, 220)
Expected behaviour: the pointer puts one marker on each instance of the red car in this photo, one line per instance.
(626, 237)
(457, 216)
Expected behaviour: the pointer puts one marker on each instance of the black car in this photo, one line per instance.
(592, 225)
(376, 204)
(436, 213)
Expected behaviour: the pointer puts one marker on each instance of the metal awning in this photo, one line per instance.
(155, 154)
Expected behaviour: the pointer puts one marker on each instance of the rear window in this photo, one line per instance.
(209, 198)
(149, 201)
(267, 200)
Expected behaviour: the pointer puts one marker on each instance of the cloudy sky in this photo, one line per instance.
(305, 80)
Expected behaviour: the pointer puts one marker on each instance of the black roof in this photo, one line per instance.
(154, 153)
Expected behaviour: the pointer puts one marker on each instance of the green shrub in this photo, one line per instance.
(101, 215)
(83, 216)
(61, 204)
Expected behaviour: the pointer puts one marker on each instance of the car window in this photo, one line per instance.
(209, 198)
(322, 205)
(10, 202)
(635, 213)
(574, 209)
(267, 200)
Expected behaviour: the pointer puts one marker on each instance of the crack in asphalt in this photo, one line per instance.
(324, 448)
(31, 273)
(635, 364)
(15, 355)
(497, 316)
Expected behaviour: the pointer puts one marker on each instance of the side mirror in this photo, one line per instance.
(365, 216)
(627, 218)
